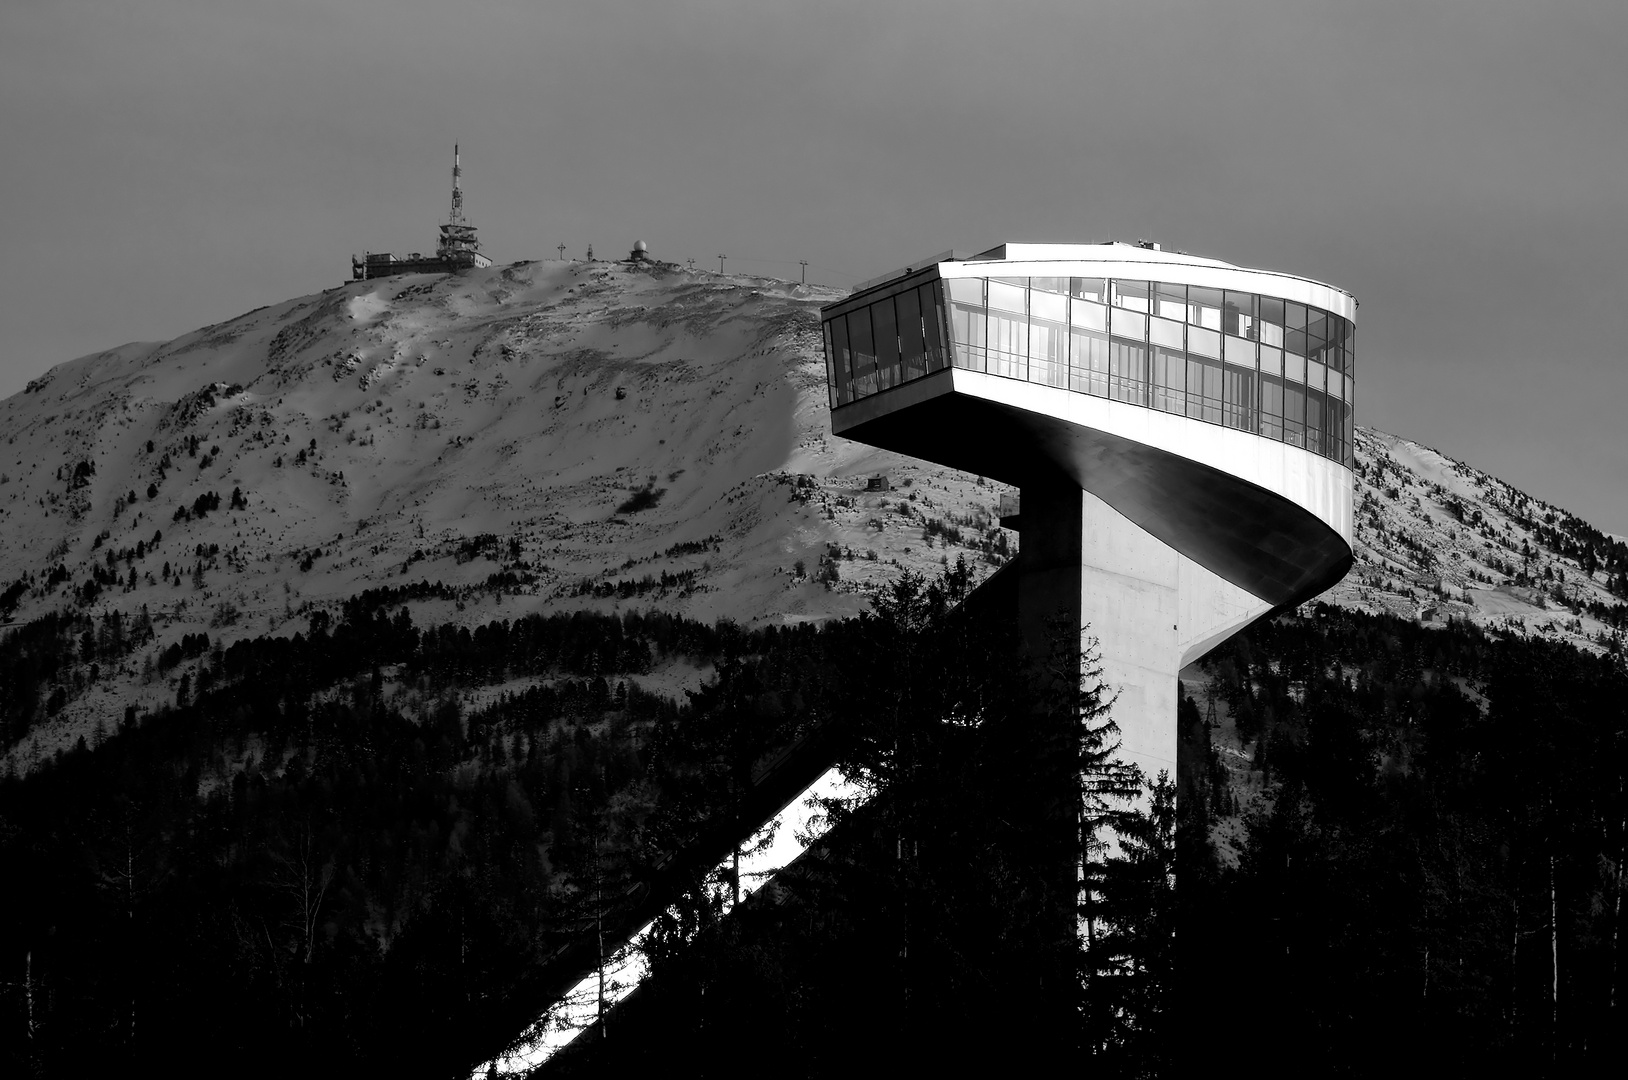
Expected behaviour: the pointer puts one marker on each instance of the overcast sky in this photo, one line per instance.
(1460, 165)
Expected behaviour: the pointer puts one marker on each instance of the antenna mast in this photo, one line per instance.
(459, 247)
(457, 217)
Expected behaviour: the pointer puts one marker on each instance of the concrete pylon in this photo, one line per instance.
(1151, 609)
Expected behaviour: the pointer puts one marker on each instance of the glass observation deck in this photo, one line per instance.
(1272, 366)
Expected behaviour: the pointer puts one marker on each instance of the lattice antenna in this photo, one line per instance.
(457, 217)
(459, 245)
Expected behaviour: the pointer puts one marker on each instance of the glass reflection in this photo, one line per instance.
(912, 351)
(932, 312)
(864, 351)
(886, 331)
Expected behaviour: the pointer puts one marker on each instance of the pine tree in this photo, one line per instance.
(1128, 970)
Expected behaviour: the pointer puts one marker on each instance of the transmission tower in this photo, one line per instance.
(459, 245)
(457, 216)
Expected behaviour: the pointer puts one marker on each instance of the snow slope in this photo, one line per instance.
(581, 428)
(1438, 539)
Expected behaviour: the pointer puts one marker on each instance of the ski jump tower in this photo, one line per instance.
(1179, 429)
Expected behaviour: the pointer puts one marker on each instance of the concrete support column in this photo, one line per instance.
(1151, 609)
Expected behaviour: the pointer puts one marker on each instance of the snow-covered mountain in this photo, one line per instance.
(1438, 539)
(541, 436)
(551, 435)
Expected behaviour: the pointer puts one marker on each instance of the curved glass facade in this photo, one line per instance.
(1277, 368)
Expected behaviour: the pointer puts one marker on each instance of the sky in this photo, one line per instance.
(1460, 166)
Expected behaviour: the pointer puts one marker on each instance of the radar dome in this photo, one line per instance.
(638, 245)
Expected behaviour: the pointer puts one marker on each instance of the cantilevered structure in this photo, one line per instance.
(1179, 429)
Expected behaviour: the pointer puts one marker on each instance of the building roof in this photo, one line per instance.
(1199, 269)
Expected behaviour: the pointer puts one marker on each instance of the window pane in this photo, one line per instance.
(1272, 407)
(1047, 360)
(1315, 403)
(1005, 296)
(912, 358)
(1129, 324)
(885, 328)
(1132, 295)
(864, 351)
(1272, 334)
(1351, 350)
(1270, 310)
(830, 370)
(841, 365)
(1172, 301)
(968, 291)
(1238, 314)
(1008, 328)
(1049, 284)
(1084, 313)
(1127, 371)
(1271, 361)
(1294, 414)
(1316, 332)
(1294, 336)
(1238, 389)
(1337, 328)
(1203, 389)
(1316, 375)
(1239, 351)
(1164, 332)
(1212, 392)
(1169, 380)
(932, 320)
(1048, 331)
(1327, 354)
(1204, 307)
(1335, 425)
(1294, 368)
(1089, 288)
(1088, 361)
(1008, 344)
(1048, 306)
(1204, 342)
(967, 321)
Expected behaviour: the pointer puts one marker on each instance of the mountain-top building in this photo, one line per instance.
(458, 249)
(1179, 429)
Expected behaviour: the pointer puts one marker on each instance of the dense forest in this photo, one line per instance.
(390, 866)
(364, 847)
(1440, 864)
(1435, 870)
